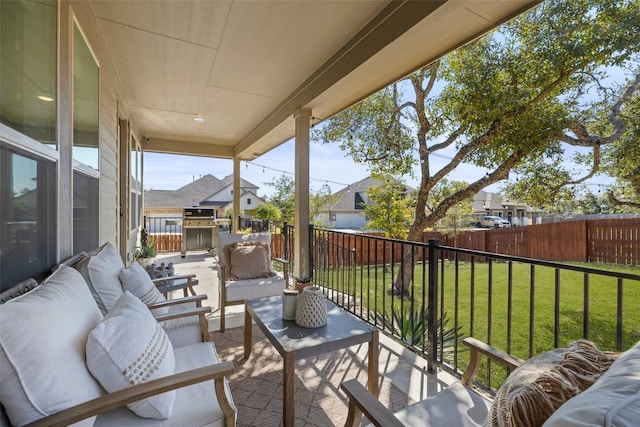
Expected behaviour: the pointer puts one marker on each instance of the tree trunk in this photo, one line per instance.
(402, 282)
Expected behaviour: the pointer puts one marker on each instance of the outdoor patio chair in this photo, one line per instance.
(246, 271)
(552, 388)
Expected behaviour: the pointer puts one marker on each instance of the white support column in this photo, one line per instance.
(302, 268)
(236, 194)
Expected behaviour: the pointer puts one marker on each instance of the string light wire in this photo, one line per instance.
(247, 163)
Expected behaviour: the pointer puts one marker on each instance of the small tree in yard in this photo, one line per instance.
(514, 100)
(460, 215)
(389, 208)
(319, 201)
(268, 211)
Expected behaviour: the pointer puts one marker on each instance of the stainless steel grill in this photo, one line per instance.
(198, 229)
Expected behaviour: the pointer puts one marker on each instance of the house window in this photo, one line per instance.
(359, 201)
(333, 217)
(28, 77)
(85, 212)
(86, 187)
(27, 216)
(248, 201)
(86, 87)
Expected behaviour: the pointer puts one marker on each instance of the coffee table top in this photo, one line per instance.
(342, 329)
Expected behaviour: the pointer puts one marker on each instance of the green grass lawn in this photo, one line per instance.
(490, 320)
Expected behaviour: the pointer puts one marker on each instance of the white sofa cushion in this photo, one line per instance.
(130, 347)
(195, 405)
(614, 400)
(137, 281)
(43, 336)
(455, 406)
(242, 290)
(100, 270)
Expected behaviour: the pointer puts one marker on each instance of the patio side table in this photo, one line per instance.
(294, 342)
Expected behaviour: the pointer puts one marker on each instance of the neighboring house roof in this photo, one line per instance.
(347, 197)
(199, 192)
(257, 200)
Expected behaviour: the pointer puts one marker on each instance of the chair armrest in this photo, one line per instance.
(479, 348)
(183, 313)
(196, 299)
(363, 402)
(119, 398)
(160, 280)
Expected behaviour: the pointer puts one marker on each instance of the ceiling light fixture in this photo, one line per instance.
(198, 119)
(45, 98)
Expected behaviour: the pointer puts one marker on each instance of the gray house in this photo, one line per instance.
(207, 191)
(348, 210)
(518, 213)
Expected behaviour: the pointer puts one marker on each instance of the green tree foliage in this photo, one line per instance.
(623, 161)
(268, 211)
(512, 101)
(460, 215)
(284, 196)
(319, 201)
(389, 207)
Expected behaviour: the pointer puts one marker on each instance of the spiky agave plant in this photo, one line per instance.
(412, 326)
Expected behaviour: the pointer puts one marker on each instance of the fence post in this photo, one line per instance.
(432, 307)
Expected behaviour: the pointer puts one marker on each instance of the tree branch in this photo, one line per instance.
(615, 201)
(585, 139)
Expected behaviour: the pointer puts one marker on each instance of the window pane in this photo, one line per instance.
(85, 103)
(85, 212)
(27, 216)
(28, 68)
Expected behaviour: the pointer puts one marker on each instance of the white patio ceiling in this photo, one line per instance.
(246, 66)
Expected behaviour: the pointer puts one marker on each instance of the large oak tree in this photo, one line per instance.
(532, 97)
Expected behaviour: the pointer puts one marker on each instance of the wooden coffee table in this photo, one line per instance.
(294, 342)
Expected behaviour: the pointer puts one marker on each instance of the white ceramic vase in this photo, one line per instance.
(311, 309)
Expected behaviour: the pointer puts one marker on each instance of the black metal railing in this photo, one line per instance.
(520, 305)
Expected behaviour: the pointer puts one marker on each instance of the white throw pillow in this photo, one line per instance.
(100, 270)
(136, 280)
(129, 347)
(43, 336)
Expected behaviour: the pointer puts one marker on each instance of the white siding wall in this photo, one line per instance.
(349, 220)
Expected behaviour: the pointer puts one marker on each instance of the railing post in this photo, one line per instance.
(432, 307)
(285, 242)
(311, 251)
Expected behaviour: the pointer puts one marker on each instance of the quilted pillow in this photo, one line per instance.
(543, 383)
(43, 335)
(248, 260)
(129, 347)
(136, 280)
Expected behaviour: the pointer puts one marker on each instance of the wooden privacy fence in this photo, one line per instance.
(615, 241)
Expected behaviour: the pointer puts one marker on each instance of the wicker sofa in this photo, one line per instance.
(62, 361)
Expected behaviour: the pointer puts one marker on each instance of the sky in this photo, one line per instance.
(328, 165)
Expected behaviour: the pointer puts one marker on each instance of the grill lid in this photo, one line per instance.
(195, 212)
